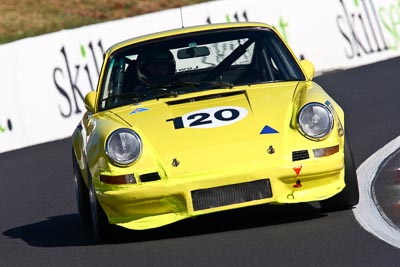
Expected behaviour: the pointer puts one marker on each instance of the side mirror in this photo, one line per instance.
(308, 68)
(90, 100)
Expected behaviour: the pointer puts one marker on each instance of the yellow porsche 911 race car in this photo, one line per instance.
(205, 119)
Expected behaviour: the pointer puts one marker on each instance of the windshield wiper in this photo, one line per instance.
(172, 90)
(199, 85)
(161, 93)
(218, 84)
(131, 95)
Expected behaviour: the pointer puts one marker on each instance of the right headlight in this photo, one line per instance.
(123, 146)
(315, 121)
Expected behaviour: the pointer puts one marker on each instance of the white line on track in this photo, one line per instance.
(367, 212)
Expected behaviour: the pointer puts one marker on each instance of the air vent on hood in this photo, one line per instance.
(300, 155)
(204, 97)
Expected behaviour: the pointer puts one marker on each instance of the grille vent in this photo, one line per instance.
(300, 155)
(231, 194)
(149, 177)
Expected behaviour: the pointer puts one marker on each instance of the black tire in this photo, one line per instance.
(101, 228)
(81, 192)
(349, 196)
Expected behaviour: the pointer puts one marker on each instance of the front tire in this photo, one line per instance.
(349, 196)
(81, 192)
(101, 227)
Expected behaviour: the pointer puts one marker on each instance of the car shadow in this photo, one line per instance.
(67, 230)
(57, 231)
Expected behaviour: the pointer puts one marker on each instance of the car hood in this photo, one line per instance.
(205, 132)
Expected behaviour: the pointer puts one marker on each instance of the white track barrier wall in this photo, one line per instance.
(44, 79)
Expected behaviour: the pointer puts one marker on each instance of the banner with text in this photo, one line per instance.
(45, 78)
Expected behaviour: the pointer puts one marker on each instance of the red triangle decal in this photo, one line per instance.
(297, 169)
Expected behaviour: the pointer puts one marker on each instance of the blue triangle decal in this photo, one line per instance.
(268, 130)
(139, 110)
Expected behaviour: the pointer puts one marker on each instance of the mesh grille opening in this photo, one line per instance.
(231, 194)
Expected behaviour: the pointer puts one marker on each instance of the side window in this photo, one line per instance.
(106, 92)
(280, 63)
(283, 60)
(120, 75)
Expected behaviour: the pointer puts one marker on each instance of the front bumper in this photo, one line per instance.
(157, 203)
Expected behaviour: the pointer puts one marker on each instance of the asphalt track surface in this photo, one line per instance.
(39, 224)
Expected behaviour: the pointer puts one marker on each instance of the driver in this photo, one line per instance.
(155, 68)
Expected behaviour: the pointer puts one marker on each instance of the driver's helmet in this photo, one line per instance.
(156, 67)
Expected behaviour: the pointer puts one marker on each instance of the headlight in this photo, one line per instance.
(123, 146)
(315, 121)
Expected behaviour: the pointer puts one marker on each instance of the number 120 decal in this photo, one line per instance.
(210, 117)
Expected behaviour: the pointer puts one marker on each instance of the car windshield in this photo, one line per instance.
(200, 61)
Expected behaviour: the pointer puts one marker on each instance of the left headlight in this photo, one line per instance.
(123, 146)
(315, 121)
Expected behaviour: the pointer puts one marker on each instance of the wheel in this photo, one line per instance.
(349, 196)
(100, 225)
(82, 192)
